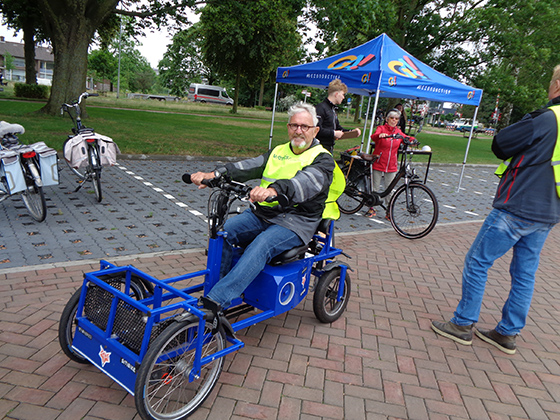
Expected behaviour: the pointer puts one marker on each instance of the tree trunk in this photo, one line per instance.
(261, 93)
(69, 73)
(236, 95)
(70, 25)
(29, 53)
(356, 99)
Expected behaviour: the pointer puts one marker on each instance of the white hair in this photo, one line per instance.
(394, 113)
(303, 107)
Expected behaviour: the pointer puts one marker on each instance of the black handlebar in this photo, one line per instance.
(225, 183)
(408, 140)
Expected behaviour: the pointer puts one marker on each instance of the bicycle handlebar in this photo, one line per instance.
(408, 140)
(76, 104)
(226, 184)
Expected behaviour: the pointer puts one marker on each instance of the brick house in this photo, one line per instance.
(44, 62)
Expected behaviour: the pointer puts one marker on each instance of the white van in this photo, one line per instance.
(210, 94)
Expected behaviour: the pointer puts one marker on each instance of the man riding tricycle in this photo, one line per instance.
(164, 340)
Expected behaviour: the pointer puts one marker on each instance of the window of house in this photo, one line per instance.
(46, 70)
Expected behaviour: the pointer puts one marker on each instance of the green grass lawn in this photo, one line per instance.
(176, 128)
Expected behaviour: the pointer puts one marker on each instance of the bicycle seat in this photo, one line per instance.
(294, 254)
(298, 252)
(7, 128)
(369, 157)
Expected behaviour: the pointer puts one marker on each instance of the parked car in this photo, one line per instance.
(209, 94)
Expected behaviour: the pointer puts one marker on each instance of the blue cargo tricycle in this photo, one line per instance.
(152, 336)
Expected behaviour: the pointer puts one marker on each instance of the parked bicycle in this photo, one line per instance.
(25, 170)
(86, 151)
(413, 208)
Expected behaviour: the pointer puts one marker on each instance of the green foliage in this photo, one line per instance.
(181, 64)
(248, 38)
(23, 90)
(136, 73)
(521, 50)
(102, 64)
(9, 61)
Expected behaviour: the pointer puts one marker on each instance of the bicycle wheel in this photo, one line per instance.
(95, 164)
(163, 390)
(67, 323)
(325, 306)
(352, 199)
(34, 200)
(414, 211)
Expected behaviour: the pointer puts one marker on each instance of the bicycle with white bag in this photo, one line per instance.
(86, 152)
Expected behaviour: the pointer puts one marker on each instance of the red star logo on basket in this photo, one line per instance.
(105, 356)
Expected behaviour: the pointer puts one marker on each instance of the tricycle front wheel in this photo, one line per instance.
(163, 390)
(326, 306)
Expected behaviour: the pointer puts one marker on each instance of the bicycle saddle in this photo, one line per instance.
(298, 252)
(370, 157)
(7, 128)
(294, 254)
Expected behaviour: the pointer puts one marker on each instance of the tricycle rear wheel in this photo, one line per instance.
(163, 390)
(326, 307)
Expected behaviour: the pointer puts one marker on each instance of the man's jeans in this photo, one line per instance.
(500, 232)
(264, 241)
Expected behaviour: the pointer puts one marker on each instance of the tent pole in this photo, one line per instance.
(273, 114)
(365, 123)
(372, 120)
(467, 151)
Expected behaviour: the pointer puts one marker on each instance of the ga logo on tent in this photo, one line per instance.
(405, 67)
(351, 62)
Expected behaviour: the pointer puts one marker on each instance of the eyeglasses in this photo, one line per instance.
(392, 118)
(304, 127)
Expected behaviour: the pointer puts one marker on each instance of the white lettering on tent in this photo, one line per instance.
(320, 76)
(434, 89)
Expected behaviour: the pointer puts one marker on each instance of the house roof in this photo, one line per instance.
(16, 50)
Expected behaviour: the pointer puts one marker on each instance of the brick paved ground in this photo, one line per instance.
(380, 361)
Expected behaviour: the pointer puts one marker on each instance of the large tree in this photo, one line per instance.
(71, 24)
(246, 38)
(519, 49)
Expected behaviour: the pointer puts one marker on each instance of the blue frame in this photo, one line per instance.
(99, 345)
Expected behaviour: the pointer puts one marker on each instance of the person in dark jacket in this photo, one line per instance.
(330, 129)
(303, 171)
(526, 207)
(402, 119)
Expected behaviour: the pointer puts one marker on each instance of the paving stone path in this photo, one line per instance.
(379, 361)
(146, 208)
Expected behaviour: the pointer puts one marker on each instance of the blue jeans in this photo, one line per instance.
(500, 232)
(264, 241)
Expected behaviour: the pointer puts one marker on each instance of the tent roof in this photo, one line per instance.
(381, 64)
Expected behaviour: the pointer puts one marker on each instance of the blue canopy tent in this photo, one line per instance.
(381, 68)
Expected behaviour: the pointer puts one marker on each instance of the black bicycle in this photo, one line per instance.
(82, 149)
(413, 208)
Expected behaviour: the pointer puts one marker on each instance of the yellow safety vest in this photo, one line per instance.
(284, 164)
(556, 153)
(555, 160)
